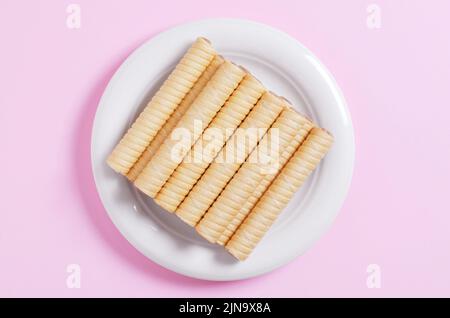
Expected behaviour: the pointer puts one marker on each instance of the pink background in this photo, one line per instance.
(396, 81)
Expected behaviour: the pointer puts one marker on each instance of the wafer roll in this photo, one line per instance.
(202, 111)
(212, 182)
(174, 118)
(305, 126)
(263, 161)
(161, 106)
(279, 193)
(203, 153)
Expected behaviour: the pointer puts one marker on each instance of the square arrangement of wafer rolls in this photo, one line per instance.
(219, 150)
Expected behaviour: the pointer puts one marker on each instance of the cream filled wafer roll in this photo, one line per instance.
(161, 106)
(305, 125)
(279, 193)
(215, 178)
(263, 161)
(189, 128)
(203, 152)
(174, 118)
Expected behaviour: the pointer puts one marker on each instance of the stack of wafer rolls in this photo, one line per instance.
(219, 150)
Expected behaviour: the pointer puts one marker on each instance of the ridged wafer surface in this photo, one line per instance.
(279, 193)
(206, 148)
(161, 106)
(174, 118)
(215, 178)
(305, 126)
(202, 111)
(263, 161)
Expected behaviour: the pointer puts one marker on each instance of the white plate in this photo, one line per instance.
(284, 66)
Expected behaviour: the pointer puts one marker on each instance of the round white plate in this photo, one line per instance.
(285, 67)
